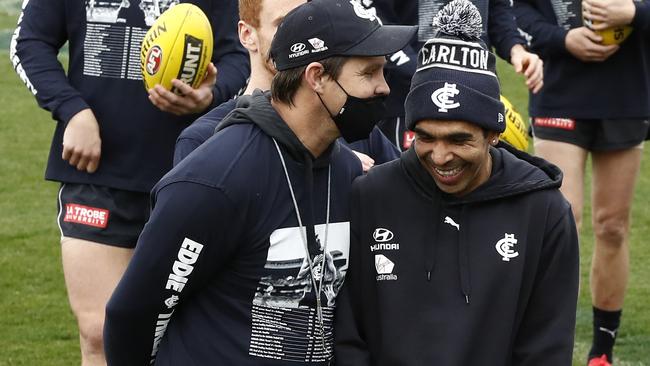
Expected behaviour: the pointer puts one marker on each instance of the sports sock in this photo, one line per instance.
(606, 325)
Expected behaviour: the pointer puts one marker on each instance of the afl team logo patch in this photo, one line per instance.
(362, 12)
(505, 247)
(154, 59)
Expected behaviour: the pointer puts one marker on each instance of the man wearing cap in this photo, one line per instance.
(248, 241)
(258, 22)
(466, 243)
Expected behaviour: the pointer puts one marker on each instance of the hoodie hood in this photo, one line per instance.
(513, 173)
(257, 109)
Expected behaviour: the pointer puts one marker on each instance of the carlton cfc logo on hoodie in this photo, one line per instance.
(505, 247)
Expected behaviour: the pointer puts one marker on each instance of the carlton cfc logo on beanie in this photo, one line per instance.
(455, 77)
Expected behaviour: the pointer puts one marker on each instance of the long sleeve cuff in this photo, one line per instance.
(69, 108)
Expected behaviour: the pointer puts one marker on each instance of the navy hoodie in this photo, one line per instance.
(490, 278)
(219, 275)
(617, 88)
(104, 75)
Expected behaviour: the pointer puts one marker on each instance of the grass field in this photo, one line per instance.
(36, 326)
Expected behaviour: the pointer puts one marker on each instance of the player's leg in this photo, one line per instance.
(616, 161)
(565, 142)
(92, 271)
(99, 229)
(614, 178)
(571, 159)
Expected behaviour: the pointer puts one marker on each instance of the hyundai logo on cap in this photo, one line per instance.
(298, 47)
(334, 28)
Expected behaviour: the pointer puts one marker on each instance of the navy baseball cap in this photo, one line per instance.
(320, 29)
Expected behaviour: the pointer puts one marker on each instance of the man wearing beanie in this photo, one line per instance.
(499, 33)
(463, 251)
(247, 246)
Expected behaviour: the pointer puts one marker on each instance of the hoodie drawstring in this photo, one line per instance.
(463, 258)
(431, 250)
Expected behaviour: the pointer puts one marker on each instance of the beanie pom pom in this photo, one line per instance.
(459, 18)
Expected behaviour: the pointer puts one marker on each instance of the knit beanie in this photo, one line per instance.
(455, 79)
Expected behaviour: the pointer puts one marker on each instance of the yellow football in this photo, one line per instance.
(177, 46)
(516, 133)
(614, 35)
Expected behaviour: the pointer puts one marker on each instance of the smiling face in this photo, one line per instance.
(455, 153)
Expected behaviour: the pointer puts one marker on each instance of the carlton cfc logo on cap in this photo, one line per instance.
(363, 13)
(443, 97)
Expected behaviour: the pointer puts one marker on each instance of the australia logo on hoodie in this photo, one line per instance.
(384, 267)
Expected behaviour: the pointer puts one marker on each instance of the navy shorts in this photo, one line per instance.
(100, 214)
(593, 134)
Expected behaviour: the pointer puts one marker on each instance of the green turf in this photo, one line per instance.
(9, 10)
(36, 326)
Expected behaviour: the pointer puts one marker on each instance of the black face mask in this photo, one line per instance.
(358, 116)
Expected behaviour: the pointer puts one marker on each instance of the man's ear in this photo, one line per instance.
(315, 76)
(248, 36)
(493, 137)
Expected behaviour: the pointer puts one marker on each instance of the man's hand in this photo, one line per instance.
(584, 44)
(190, 100)
(528, 64)
(82, 145)
(366, 161)
(608, 13)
